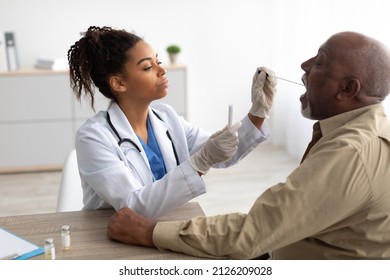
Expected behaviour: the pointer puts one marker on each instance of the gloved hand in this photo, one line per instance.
(263, 91)
(220, 147)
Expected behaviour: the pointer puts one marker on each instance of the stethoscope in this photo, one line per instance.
(121, 140)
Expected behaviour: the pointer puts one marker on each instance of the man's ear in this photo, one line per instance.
(116, 83)
(350, 88)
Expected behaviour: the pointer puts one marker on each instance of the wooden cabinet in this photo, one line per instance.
(39, 116)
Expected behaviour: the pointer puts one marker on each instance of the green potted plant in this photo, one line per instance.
(172, 51)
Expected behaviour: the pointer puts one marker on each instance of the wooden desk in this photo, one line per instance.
(89, 239)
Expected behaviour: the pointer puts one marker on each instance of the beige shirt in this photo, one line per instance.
(335, 205)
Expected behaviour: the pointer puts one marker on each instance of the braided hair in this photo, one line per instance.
(101, 52)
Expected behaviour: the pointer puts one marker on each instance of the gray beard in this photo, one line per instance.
(306, 112)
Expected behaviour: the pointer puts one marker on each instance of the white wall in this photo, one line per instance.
(223, 41)
(304, 26)
(219, 40)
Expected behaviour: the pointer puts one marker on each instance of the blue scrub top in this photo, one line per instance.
(153, 153)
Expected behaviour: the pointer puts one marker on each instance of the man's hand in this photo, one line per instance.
(129, 227)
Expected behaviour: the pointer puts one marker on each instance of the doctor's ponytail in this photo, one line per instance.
(101, 52)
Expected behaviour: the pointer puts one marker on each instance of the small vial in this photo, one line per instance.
(65, 237)
(50, 251)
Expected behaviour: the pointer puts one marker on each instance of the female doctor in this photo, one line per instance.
(142, 156)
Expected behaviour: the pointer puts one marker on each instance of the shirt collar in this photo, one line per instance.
(330, 124)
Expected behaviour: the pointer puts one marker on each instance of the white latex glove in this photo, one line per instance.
(220, 147)
(263, 92)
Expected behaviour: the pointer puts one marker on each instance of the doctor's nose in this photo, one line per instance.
(161, 71)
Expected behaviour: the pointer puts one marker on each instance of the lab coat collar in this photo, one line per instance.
(160, 128)
(125, 130)
(121, 124)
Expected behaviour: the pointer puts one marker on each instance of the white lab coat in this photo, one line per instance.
(118, 177)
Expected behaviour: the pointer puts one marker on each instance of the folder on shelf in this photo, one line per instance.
(12, 56)
(60, 63)
(13, 247)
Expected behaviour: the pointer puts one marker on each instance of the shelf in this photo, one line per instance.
(39, 116)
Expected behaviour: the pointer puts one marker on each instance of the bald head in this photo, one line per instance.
(366, 59)
(350, 71)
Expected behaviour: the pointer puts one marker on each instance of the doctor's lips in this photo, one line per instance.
(164, 83)
(283, 79)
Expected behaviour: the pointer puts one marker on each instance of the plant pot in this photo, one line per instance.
(173, 58)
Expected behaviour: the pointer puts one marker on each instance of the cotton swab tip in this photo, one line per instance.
(230, 115)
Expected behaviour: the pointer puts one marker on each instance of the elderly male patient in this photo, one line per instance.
(336, 204)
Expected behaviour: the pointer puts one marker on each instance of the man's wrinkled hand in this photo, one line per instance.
(129, 227)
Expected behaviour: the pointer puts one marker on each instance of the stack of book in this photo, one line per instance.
(52, 63)
(8, 54)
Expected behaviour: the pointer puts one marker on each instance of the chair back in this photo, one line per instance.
(70, 195)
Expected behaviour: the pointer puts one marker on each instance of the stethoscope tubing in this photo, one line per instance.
(119, 137)
(122, 140)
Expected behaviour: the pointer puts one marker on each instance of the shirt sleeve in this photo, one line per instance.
(315, 198)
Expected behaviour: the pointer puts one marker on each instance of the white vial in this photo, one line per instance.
(65, 237)
(50, 251)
